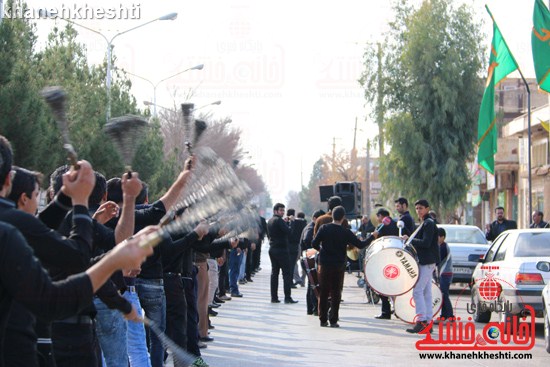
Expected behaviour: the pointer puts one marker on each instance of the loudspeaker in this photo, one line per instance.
(348, 202)
(325, 192)
(350, 192)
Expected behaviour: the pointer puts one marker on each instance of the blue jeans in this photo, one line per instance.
(447, 306)
(234, 268)
(153, 301)
(422, 293)
(242, 265)
(137, 342)
(111, 331)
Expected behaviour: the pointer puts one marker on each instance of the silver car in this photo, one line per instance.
(468, 245)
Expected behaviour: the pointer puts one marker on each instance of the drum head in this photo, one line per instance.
(405, 307)
(390, 269)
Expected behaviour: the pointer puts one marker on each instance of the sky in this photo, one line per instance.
(285, 71)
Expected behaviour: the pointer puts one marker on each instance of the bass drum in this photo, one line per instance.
(391, 268)
(405, 307)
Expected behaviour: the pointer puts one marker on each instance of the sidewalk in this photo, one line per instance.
(251, 331)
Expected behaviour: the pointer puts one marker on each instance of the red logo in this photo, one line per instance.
(516, 333)
(489, 288)
(391, 271)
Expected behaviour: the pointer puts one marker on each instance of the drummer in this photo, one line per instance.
(305, 244)
(425, 242)
(331, 240)
(387, 227)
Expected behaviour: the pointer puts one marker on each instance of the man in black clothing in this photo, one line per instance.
(402, 207)
(331, 240)
(537, 220)
(278, 231)
(500, 225)
(427, 248)
(150, 281)
(305, 244)
(76, 340)
(23, 279)
(366, 226)
(262, 232)
(49, 246)
(297, 225)
(387, 227)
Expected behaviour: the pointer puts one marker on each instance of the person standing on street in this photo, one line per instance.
(278, 231)
(427, 249)
(500, 225)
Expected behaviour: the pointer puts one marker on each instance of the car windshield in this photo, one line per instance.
(533, 244)
(464, 235)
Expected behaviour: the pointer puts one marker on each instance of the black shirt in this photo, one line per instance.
(332, 240)
(23, 279)
(278, 231)
(150, 215)
(425, 242)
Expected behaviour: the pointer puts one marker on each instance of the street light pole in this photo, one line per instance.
(109, 42)
(155, 85)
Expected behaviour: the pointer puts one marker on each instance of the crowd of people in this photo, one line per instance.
(76, 278)
(79, 279)
(328, 236)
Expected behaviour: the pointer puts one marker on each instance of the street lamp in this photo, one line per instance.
(155, 85)
(170, 16)
(209, 104)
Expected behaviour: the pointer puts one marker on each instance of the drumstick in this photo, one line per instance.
(400, 225)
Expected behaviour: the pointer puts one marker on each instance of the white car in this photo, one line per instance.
(468, 245)
(518, 260)
(546, 312)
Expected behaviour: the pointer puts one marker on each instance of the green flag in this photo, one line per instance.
(501, 63)
(540, 42)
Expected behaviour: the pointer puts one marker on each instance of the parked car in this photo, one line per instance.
(546, 313)
(519, 261)
(468, 245)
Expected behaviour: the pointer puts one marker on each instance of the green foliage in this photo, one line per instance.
(309, 196)
(23, 119)
(149, 152)
(431, 75)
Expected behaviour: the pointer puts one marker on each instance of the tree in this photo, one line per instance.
(433, 60)
(24, 119)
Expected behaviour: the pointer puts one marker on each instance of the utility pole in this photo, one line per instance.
(353, 158)
(367, 181)
(333, 156)
(380, 110)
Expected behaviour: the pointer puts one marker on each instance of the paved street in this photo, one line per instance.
(251, 331)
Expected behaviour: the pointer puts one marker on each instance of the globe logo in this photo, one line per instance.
(489, 288)
(493, 332)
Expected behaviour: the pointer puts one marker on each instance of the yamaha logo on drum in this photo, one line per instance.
(406, 264)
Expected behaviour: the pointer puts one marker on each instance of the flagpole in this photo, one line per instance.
(529, 178)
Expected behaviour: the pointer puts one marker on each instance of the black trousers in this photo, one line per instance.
(331, 280)
(190, 286)
(256, 256)
(75, 344)
(386, 307)
(19, 349)
(223, 278)
(280, 262)
(176, 309)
